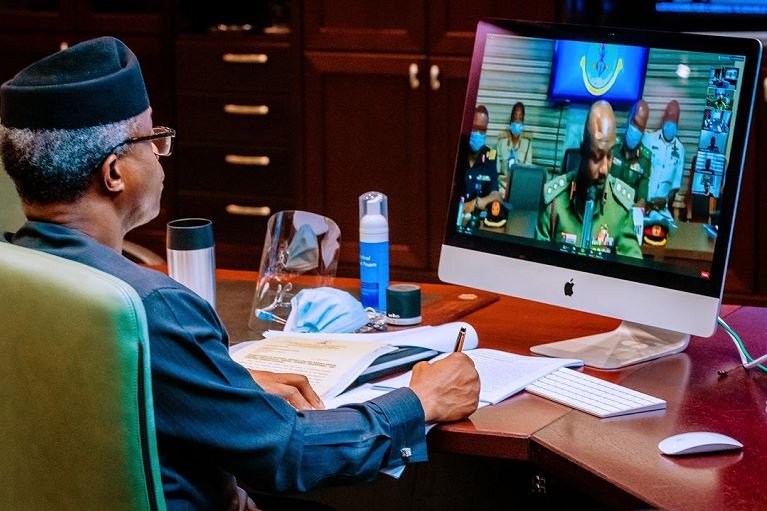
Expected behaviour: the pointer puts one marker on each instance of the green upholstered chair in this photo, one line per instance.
(76, 417)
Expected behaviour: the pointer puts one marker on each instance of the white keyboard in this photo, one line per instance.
(593, 395)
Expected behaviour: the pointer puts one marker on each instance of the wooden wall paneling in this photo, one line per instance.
(452, 22)
(760, 228)
(365, 25)
(742, 269)
(445, 115)
(365, 130)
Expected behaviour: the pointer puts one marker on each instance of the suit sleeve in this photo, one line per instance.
(543, 227)
(627, 243)
(529, 154)
(208, 404)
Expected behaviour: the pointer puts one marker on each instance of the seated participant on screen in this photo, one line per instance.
(566, 198)
(480, 174)
(667, 160)
(512, 148)
(631, 160)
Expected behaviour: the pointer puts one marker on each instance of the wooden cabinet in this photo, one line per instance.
(32, 29)
(384, 92)
(366, 129)
(238, 148)
(746, 273)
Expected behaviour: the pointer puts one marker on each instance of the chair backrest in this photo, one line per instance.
(571, 161)
(77, 422)
(526, 188)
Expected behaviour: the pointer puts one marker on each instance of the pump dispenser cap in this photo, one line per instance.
(374, 225)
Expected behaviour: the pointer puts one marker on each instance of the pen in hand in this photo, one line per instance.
(460, 339)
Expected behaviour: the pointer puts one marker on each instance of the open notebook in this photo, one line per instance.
(501, 374)
(334, 362)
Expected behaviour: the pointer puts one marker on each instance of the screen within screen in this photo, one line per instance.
(599, 150)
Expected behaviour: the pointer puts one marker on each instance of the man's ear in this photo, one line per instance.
(111, 174)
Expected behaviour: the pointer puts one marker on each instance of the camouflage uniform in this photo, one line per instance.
(633, 168)
(613, 228)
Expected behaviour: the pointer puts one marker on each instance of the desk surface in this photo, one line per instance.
(616, 460)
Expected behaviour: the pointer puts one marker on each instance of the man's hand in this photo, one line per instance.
(293, 388)
(239, 499)
(448, 389)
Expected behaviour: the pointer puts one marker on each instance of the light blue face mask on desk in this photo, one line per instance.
(325, 309)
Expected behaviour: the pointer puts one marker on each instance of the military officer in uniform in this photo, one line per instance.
(666, 162)
(568, 198)
(631, 159)
(481, 174)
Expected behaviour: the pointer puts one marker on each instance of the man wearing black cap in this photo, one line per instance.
(76, 136)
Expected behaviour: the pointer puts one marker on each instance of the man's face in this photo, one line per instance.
(145, 176)
(480, 122)
(599, 162)
(601, 126)
(517, 115)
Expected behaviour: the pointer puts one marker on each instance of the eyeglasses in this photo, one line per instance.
(161, 138)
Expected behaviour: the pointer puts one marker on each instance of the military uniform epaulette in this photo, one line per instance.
(556, 186)
(622, 192)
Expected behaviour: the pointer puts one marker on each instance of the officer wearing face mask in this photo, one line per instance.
(666, 162)
(631, 159)
(513, 148)
(481, 175)
(589, 208)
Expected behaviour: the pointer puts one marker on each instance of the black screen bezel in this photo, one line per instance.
(712, 286)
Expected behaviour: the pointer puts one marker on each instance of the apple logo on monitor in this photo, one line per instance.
(569, 288)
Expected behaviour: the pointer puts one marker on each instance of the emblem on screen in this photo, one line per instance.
(569, 288)
(600, 68)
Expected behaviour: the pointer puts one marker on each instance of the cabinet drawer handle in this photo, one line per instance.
(434, 77)
(236, 209)
(239, 159)
(233, 109)
(245, 58)
(412, 73)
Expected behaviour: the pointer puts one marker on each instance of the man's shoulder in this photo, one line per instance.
(557, 185)
(487, 153)
(623, 193)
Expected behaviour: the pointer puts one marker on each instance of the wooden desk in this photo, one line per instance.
(439, 303)
(688, 241)
(616, 461)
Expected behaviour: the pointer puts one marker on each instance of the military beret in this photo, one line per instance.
(656, 235)
(496, 214)
(92, 83)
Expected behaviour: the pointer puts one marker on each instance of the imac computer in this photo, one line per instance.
(613, 188)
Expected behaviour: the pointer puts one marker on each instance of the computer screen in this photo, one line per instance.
(642, 152)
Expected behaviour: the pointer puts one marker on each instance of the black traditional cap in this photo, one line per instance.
(92, 83)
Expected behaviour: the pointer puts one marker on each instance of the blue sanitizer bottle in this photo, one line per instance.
(374, 249)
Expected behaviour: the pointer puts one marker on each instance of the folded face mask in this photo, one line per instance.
(303, 251)
(325, 309)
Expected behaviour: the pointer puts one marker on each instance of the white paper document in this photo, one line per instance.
(441, 338)
(330, 365)
(501, 374)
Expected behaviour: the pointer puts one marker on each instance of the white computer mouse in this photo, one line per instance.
(696, 442)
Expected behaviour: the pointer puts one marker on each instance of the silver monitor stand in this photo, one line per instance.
(628, 344)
